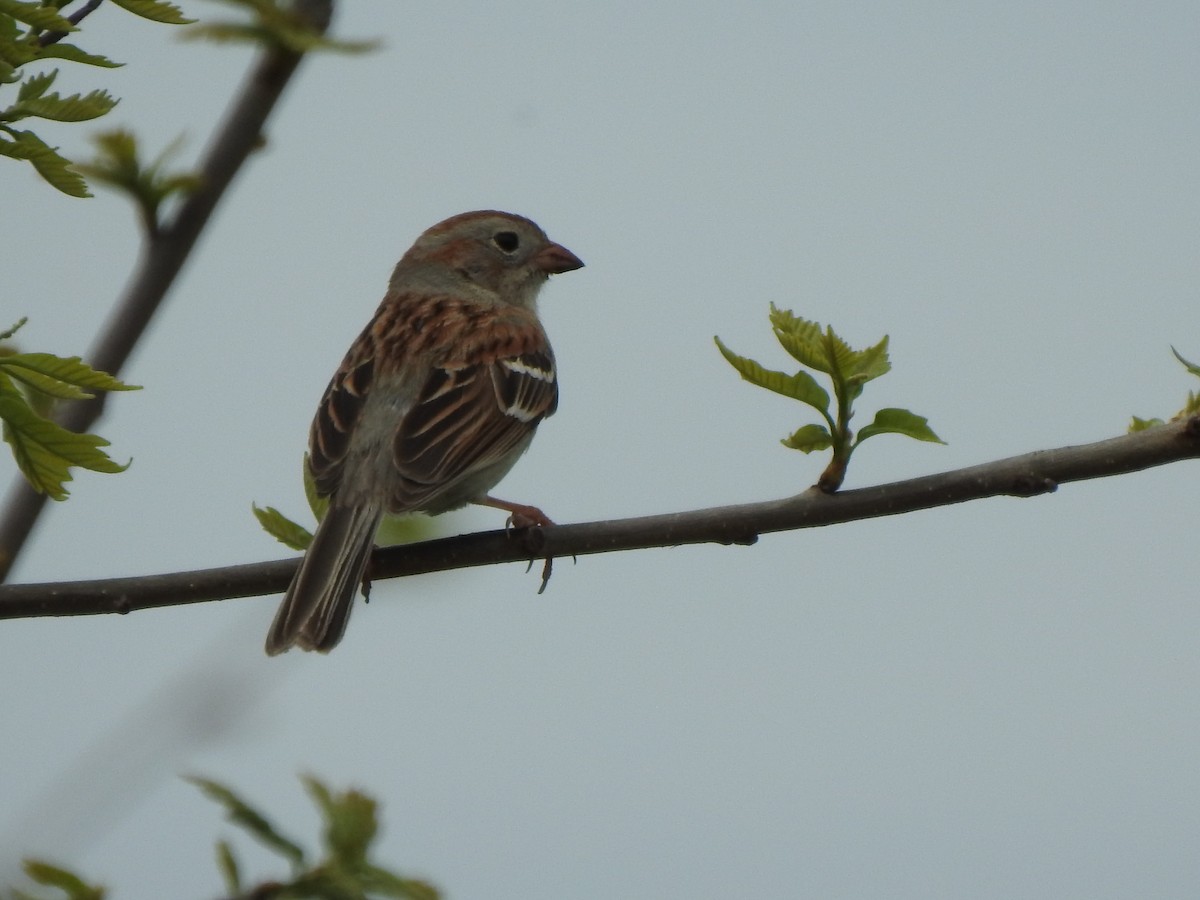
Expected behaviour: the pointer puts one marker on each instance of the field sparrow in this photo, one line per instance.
(432, 405)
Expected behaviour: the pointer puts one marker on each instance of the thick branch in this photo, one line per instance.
(1021, 476)
(162, 259)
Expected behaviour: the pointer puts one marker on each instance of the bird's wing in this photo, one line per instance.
(480, 403)
(483, 377)
(338, 413)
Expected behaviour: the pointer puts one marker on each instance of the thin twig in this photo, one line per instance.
(166, 252)
(53, 37)
(1020, 476)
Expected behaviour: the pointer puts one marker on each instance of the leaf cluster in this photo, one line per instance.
(32, 32)
(848, 370)
(30, 384)
(344, 869)
(1190, 407)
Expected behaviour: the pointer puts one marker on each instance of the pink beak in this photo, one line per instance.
(556, 259)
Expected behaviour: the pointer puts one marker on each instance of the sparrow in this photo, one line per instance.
(433, 403)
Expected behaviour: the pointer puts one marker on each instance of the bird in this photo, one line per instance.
(433, 403)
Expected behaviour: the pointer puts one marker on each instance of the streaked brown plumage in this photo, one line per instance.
(432, 405)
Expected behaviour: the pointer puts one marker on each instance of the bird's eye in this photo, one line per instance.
(507, 241)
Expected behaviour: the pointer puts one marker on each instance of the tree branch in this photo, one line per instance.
(53, 37)
(1020, 476)
(166, 251)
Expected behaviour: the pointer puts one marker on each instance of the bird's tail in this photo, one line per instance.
(318, 602)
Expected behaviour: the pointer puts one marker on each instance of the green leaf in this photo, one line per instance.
(156, 11)
(46, 160)
(899, 421)
(228, 864)
(71, 53)
(801, 386)
(800, 337)
(65, 379)
(44, 18)
(11, 148)
(1142, 424)
(243, 815)
(350, 822)
(68, 882)
(824, 351)
(36, 85)
(44, 450)
(839, 355)
(75, 108)
(870, 363)
(1190, 366)
(809, 438)
(282, 528)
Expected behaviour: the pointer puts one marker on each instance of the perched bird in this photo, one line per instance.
(431, 406)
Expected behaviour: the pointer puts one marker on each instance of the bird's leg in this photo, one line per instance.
(520, 515)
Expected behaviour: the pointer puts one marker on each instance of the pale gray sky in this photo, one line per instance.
(992, 700)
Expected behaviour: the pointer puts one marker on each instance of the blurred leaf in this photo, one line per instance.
(350, 823)
(275, 25)
(282, 528)
(380, 882)
(227, 863)
(403, 529)
(156, 11)
(68, 882)
(801, 386)
(899, 421)
(118, 165)
(344, 872)
(809, 438)
(245, 816)
(297, 40)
